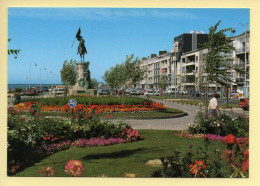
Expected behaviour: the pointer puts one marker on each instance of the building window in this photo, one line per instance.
(197, 58)
(183, 70)
(183, 59)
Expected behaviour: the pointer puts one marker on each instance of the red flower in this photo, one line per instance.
(229, 139)
(245, 160)
(197, 168)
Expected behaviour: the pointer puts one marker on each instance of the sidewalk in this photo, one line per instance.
(174, 123)
(167, 124)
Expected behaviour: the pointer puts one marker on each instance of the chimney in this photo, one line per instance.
(162, 52)
(153, 55)
(144, 58)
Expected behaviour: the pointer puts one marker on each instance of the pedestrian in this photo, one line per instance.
(213, 105)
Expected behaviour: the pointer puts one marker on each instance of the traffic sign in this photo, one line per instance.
(72, 103)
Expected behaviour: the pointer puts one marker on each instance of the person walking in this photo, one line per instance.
(213, 105)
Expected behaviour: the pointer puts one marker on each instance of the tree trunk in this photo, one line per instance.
(206, 97)
(227, 96)
(65, 91)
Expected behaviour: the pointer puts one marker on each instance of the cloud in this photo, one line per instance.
(102, 13)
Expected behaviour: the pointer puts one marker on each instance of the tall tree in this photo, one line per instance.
(217, 66)
(133, 72)
(68, 74)
(164, 81)
(94, 83)
(115, 76)
(127, 73)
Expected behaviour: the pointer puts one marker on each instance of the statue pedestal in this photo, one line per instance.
(76, 90)
(83, 81)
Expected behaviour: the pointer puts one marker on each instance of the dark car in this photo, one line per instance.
(244, 103)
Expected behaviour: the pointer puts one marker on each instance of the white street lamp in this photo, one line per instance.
(233, 31)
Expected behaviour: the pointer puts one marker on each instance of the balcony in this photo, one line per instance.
(193, 72)
(189, 83)
(240, 80)
(189, 63)
(239, 65)
(242, 49)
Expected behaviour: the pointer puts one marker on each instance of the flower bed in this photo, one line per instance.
(213, 137)
(32, 138)
(235, 156)
(97, 142)
(146, 106)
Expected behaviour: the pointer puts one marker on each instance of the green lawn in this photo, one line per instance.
(116, 160)
(195, 102)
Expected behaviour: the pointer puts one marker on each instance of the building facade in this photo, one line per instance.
(184, 65)
(241, 56)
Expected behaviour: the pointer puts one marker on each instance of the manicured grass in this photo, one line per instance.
(196, 102)
(163, 97)
(116, 160)
(170, 112)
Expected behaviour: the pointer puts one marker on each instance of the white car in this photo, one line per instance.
(171, 91)
(151, 93)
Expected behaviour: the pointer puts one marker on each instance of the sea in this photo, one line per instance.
(24, 86)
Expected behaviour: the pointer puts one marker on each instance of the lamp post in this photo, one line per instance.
(233, 31)
(40, 77)
(30, 77)
(47, 77)
(175, 69)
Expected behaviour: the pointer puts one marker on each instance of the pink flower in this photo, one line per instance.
(47, 171)
(74, 168)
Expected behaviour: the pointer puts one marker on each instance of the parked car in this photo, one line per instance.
(133, 92)
(59, 90)
(23, 93)
(184, 92)
(31, 92)
(104, 92)
(45, 89)
(151, 93)
(127, 91)
(171, 91)
(120, 91)
(244, 103)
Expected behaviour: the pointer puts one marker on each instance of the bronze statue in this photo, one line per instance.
(81, 48)
(83, 81)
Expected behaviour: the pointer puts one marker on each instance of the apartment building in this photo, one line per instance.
(155, 66)
(241, 56)
(184, 65)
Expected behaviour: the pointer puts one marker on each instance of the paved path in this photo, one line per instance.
(167, 124)
(173, 123)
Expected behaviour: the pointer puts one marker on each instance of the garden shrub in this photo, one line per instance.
(32, 138)
(224, 124)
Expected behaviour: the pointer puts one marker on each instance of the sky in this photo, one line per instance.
(45, 36)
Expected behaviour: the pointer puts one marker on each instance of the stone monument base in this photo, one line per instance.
(76, 90)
